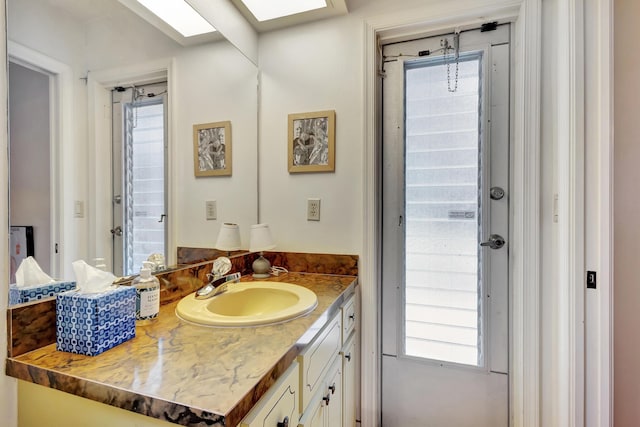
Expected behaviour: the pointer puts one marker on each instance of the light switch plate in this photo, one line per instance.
(78, 209)
(211, 210)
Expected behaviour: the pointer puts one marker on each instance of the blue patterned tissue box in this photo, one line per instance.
(32, 293)
(90, 323)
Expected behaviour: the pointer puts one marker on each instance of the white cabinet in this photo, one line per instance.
(331, 402)
(325, 408)
(316, 359)
(349, 391)
(279, 406)
(319, 390)
(333, 398)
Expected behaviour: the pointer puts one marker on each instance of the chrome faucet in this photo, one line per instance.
(217, 285)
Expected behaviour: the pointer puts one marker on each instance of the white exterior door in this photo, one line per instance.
(445, 320)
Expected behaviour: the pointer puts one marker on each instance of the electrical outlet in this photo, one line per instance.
(211, 209)
(313, 209)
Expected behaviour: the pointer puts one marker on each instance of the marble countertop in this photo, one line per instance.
(184, 373)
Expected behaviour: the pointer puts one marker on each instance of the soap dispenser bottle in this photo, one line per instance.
(147, 295)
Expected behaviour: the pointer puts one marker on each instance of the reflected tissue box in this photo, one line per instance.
(91, 323)
(32, 293)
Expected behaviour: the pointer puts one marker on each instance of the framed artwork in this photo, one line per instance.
(212, 149)
(312, 141)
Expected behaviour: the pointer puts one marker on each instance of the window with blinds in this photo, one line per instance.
(443, 304)
(144, 183)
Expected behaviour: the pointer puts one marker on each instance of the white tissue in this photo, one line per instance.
(90, 279)
(29, 273)
(158, 262)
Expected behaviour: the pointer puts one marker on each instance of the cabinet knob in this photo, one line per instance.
(332, 387)
(284, 423)
(327, 399)
(348, 357)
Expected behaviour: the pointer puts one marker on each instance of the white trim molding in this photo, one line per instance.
(525, 235)
(524, 240)
(567, 341)
(599, 180)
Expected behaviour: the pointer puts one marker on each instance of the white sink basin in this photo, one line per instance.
(249, 304)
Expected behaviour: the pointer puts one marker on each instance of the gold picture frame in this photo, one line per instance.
(212, 149)
(312, 141)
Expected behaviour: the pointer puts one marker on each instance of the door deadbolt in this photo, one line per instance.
(496, 193)
(117, 231)
(495, 241)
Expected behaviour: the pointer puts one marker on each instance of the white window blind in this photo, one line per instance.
(442, 178)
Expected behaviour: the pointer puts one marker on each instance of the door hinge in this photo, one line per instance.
(488, 26)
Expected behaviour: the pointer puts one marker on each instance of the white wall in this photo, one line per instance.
(303, 69)
(215, 83)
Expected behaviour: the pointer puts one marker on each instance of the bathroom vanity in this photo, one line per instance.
(189, 374)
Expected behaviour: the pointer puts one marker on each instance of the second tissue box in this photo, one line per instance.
(91, 323)
(18, 295)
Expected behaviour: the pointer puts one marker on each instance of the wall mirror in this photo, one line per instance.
(65, 58)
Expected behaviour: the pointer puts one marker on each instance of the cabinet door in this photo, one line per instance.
(278, 404)
(333, 395)
(349, 358)
(314, 415)
(315, 360)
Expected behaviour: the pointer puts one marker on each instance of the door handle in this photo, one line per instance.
(495, 241)
(117, 231)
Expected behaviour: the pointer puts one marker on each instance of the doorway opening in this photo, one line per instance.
(31, 179)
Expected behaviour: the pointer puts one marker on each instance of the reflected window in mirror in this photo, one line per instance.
(139, 175)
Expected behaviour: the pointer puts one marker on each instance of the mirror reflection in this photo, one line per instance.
(102, 111)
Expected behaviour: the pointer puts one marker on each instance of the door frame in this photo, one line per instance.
(99, 85)
(62, 181)
(526, 368)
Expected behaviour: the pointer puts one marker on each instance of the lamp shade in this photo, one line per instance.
(260, 238)
(228, 237)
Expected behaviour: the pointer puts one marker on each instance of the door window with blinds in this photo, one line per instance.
(443, 305)
(140, 176)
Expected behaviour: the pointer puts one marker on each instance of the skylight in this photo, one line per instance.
(266, 10)
(182, 17)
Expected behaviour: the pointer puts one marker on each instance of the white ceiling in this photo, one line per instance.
(88, 10)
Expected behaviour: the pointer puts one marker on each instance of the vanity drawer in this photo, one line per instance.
(316, 357)
(279, 403)
(348, 317)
